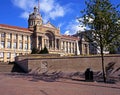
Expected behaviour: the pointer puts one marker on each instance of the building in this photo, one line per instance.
(15, 41)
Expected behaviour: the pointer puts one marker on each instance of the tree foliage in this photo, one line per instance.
(104, 21)
(35, 51)
(44, 51)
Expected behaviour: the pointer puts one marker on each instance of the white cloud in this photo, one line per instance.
(50, 8)
(67, 32)
(73, 27)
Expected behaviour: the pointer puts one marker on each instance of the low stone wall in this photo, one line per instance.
(65, 64)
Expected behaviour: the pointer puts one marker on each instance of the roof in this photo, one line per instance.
(70, 37)
(14, 27)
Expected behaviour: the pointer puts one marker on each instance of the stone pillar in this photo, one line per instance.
(77, 48)
(12, 41)
(65, 46)
(0, 40)
(83, 49)
(74, 48)
(17, 41)
(68, 47)
(55, 44)
(23, 42)
(37, 42)
(5, 40)
(61, 45)
(29, 43)
(5, 57)
(43, 42)
(88, 48)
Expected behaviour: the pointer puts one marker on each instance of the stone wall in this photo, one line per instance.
(65, 64)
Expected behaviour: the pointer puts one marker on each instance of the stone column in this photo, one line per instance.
(68, 47)
(29, 43)
(37, 42)
(12, 41)
(88, 48)
(5, 40)
(65, 46)
(5, 57)
(74, 48)
(43, 42)
(23, 42)
(77, 48)
(17, 41)
(55, 44)
(61, 45)
(0, 40)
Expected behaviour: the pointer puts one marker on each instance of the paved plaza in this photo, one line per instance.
(14, 84)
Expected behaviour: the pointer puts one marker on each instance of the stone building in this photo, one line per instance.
(15, 41)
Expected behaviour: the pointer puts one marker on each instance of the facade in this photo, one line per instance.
(15, 41)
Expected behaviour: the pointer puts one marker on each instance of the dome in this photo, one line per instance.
(35, 14)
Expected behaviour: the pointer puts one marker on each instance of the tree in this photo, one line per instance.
(103, 20)
(35, 51)
(44, 51)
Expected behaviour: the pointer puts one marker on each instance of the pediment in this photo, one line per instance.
(49, 25)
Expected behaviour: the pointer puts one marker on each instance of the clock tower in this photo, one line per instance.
(34, 19)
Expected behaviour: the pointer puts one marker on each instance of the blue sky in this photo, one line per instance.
(61, 13)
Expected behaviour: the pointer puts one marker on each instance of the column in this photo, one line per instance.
(68, 47)
(55, 44)
(74, 47)
(59, 44)
(12, 41)
(65, 46)
(88, 48)
(18, 41)
(0, 40)
(5, 57)
(43, 42)
(37, 42)
(29, 43)
(5, 40)
(23, 42)
(77, 48)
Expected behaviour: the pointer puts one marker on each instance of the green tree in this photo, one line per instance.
(44, 51)
(35, 51)
(104, 21)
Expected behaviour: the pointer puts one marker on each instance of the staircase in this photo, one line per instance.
(5, 67)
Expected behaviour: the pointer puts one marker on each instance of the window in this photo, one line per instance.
(25, 37)
(20, 45)
(9, 36)
(26, 46)
(8, 55)
(14, 54)
(21, 37)
(3, 35)
(1, 54)
(15, 36)
(14, 45)
(8, 44)
(2, 44)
